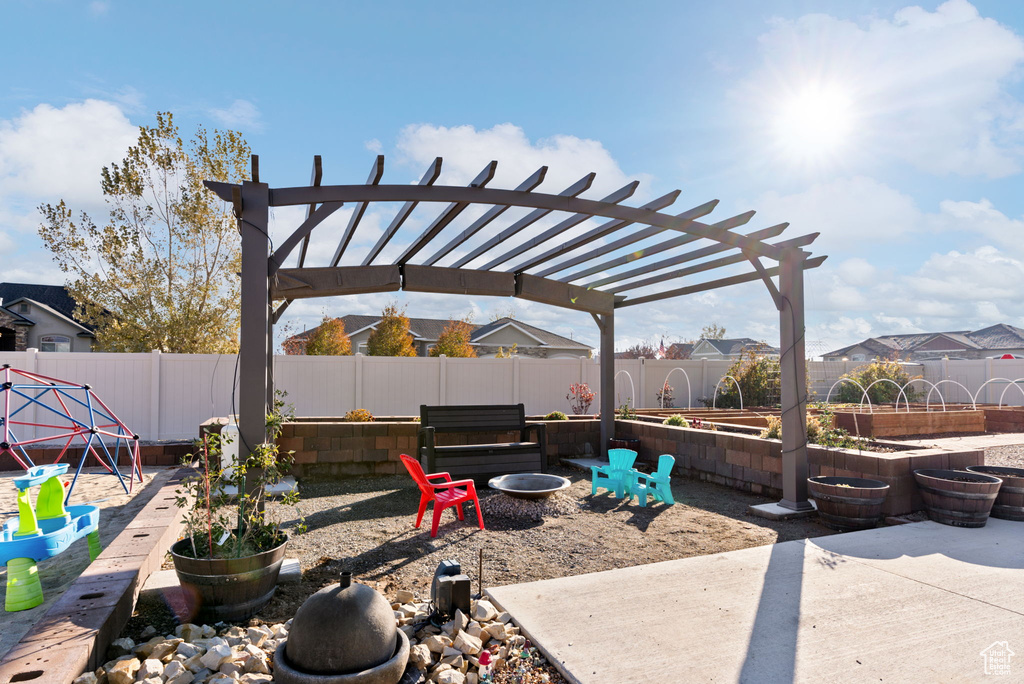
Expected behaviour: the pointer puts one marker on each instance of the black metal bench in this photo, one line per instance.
(480, 461)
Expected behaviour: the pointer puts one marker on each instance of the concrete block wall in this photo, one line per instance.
(326, 448)
(753, 464)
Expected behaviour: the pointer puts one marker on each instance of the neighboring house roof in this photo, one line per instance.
(680, 349)
(999, 336)
(54, 298)
(736, 345)
(18, 319)
(430, 329)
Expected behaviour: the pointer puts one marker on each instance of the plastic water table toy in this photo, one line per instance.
(41, 532)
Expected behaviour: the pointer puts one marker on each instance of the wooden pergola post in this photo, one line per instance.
(253, 382)
(606, 324)
(793, 369)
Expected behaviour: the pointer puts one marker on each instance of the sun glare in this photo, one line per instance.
(814, 123)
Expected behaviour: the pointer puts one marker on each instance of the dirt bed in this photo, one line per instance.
(366, 526)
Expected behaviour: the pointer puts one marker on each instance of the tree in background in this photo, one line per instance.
(329, 339)
(713, 331)
(890, 370)
(453, 341)
(508, 311)
(641, 349)
(391, 337)
(161, 273)
(759, 380)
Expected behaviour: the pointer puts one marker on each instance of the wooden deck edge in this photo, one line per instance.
(73, 635)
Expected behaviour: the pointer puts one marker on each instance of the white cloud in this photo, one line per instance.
(928, 88)
(466, 151)
(99, 7)
(49, 153)
(846, 211)
(241, 115)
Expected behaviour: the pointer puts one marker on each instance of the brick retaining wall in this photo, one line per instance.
(166, 454)
(329, 449)
(753, 464)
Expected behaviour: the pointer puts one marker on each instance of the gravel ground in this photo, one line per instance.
(366, 525)
(1005, 456)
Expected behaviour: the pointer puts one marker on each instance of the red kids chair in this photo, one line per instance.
(443, 494)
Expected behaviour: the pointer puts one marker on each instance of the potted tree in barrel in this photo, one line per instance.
(233, 548)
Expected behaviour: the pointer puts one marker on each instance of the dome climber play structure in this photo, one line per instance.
(35, 410)
(65, 413)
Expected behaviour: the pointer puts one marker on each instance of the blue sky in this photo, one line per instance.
(896, 131)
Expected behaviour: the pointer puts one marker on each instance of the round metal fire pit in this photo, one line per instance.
(529, 485)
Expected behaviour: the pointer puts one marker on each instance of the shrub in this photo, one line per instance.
(677, 420)
(626, 411)
(883, 392)
(758, 378)
(453, 341)
(820, 431)
(580, 398)
(556, 415)
(359, 416)
(666, 393)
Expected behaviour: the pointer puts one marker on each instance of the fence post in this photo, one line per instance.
(639, 398)
(515, 378)
(988, 376)
(704, 377)
(442, 380)
(358, 383)
(154, 394)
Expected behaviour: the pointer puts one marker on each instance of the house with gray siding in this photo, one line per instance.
(41, 317)
(991, 342)
(529, 340)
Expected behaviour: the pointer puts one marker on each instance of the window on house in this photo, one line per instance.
(23, 307)
(54, 343)
(857, 357)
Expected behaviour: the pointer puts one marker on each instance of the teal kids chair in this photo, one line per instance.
(658, 484)
(615, 476)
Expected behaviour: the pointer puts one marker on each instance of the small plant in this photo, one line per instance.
(580, 398)
(359, 416)
(556, 415)
(626, 411)
(820, 431)
(221, 527)
(704, 425)
(677, 420)
(665, 396)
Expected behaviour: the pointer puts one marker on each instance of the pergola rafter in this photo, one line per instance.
(545, 241)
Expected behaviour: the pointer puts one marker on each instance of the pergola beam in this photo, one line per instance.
(376, 173)
(699, 268)
(315, 179)
(426, 181)
(672, 243)
(714, 284)
(457, 281)
(576, 188)
(619, 195)
(447, 216)
(564, 295)
(607, 228)
(494, 212)
(314, 220)
(333, 281)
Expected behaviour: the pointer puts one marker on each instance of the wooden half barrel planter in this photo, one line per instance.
(228, 589)
(848, 503)
(1009, 504)
(958, 498)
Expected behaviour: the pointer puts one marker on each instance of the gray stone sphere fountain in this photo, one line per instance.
(344, 634)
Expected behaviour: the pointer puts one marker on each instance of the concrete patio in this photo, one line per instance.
(911, 603)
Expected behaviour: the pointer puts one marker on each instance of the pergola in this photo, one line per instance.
(589, 271)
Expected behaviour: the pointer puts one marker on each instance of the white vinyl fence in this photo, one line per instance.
(167, 396)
